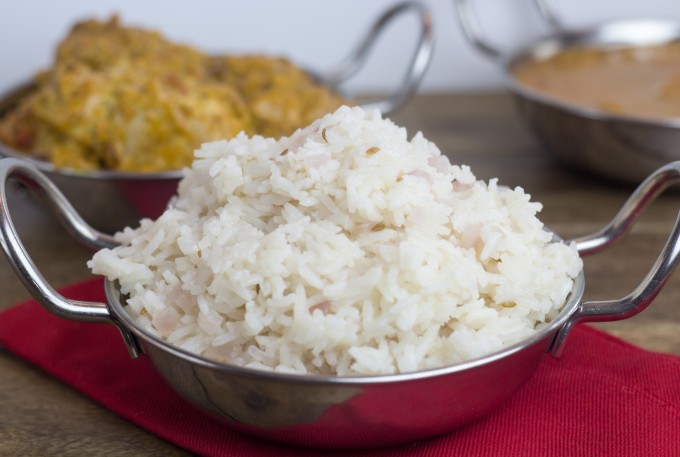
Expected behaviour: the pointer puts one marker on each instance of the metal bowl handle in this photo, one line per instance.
(472, 29)
(24, 267)
(647, 290)
(547, 11)
(419, 61)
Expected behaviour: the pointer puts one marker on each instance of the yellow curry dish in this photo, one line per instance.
(638, 81)
(127, 99)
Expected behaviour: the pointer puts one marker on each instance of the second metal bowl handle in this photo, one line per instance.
(469, 23)
(647, 290)
(24, 267)
(472, 29)
(547, 11)
(417, 67)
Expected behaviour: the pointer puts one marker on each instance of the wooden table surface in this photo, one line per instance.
(41, 416)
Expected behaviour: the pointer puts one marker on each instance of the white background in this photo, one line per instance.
(314, 33)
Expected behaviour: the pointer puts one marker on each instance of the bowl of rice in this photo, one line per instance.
(342, 287)
(116, 116)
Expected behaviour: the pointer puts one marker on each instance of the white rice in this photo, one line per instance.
(343, 249)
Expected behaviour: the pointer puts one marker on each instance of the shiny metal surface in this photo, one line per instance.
(420, 60)
(644, 294)
(346, 412)
(112, 200)
(617, 146)
(339, 412)
(25, 268)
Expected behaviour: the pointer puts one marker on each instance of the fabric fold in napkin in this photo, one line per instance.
(603, 397)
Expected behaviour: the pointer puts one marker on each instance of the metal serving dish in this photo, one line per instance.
(341, 412)
(112, 200)
(623, 147)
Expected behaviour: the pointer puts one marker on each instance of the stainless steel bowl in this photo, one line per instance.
(341, 412)
(112, 200)
(622, 147)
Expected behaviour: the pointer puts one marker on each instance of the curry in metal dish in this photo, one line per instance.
(123, 98)
(638, 81)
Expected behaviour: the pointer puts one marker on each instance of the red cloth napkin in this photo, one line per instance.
(604, 397)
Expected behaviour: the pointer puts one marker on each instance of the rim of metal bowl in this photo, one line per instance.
(610, 33)
(110, 175)
(117, 307)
